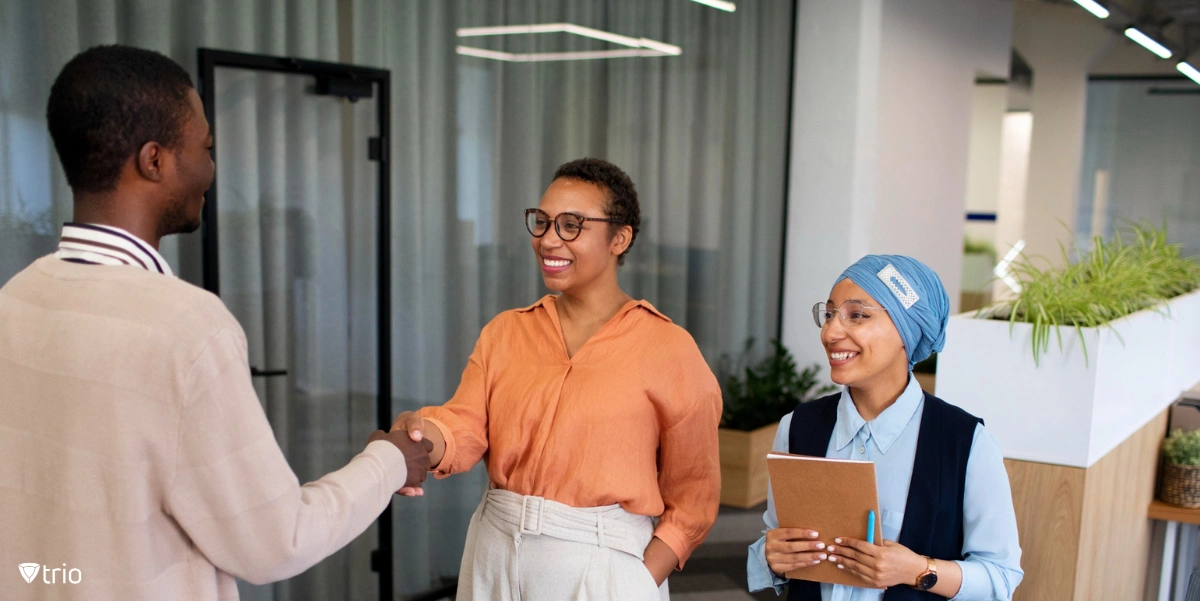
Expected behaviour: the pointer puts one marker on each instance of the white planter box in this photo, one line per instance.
(1068, 411)
(1185, 350)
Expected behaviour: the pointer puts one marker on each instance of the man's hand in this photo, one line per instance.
(419, 428)
(791, 548)
(416, 456)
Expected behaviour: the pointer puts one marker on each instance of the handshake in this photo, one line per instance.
(416, 456)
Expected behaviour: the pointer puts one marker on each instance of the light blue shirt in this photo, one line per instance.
(992, 568)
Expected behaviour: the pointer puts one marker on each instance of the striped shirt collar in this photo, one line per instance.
(107, 245)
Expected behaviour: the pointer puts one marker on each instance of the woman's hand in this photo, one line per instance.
(885, 565)
(659, 560)
(419, 429)
(791, 548)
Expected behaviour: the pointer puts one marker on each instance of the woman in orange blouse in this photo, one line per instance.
(594, 412)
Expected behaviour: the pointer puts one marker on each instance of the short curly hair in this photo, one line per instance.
(106, 103)
(622, 194)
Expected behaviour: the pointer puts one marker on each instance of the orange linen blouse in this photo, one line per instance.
(631, 419)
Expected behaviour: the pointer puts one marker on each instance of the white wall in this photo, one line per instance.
(932, 51)
(1059, 42)
(989, 103)
(1010, 197)
(832, 171)
(880, 139)
(983, 159)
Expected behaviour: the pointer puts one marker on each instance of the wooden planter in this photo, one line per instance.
(744, 465)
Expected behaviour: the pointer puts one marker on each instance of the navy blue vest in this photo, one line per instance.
(933, 516)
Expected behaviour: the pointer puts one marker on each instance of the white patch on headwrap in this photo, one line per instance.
(899, 286)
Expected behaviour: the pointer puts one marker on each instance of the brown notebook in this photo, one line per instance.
(833, 497)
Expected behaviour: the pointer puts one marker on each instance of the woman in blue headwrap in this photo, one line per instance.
(946, 509)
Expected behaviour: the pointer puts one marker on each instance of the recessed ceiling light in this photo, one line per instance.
(636, 46)
(1147, 42)
(1189, 70)
(1094, 7)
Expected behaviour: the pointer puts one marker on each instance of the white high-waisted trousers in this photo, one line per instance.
(531, 549)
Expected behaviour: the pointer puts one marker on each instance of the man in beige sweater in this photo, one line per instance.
(135, 459)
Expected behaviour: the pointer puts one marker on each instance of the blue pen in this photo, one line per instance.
(871, 527)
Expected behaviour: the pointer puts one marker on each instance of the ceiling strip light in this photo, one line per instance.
(555, 56)
(660, 47)
(637, 46)
(1094, 7)
(596, 34)
(1147, 42)
(725, 6)
(485, 53)
(1189, 70)
(470, 32)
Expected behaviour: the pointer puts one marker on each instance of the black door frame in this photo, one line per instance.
(350, 81)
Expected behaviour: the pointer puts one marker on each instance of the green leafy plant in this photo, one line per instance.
(1135, 270)
(759, 393)
(979, 247)
(1182, 448)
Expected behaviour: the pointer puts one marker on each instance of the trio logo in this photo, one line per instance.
(29, 571)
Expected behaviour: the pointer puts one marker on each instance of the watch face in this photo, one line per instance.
(927, 581)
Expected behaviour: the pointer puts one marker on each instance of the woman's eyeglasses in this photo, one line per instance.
(568, 225)
(851, 312)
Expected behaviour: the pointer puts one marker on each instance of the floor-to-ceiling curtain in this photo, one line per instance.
(703, 135)
(284, 218)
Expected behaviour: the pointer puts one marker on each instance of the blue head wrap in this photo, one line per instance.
(913, 296)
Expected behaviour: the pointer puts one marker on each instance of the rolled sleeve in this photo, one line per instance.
(676, 538)
(443, 469)
(758, 573)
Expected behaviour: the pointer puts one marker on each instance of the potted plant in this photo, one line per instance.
(1181, 469)
(757, 394)
(1103, 344)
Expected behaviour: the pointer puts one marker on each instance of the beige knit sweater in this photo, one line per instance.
(134, 451)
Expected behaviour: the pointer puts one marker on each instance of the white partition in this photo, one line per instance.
(1071, 410)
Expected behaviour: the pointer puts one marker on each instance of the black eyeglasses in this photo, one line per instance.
(568, 225)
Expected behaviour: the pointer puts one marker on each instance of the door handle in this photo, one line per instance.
(266, 373)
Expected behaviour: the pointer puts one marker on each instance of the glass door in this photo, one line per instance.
(295, 262)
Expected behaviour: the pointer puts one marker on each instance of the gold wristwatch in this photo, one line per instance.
(928, 578)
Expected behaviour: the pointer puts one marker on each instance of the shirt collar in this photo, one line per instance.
(641, 303)
(109, 245)
(886, 427)
(540, 302)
